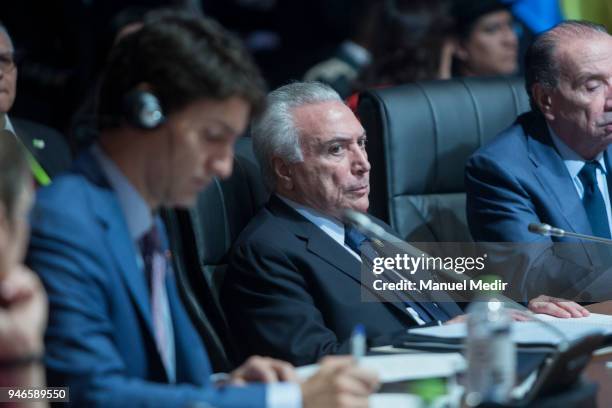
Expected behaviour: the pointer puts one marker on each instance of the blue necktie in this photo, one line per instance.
(593, 200)
(427, 311)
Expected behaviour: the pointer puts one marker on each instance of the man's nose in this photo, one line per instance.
(223, 164)
(360, 161)
(608, 102)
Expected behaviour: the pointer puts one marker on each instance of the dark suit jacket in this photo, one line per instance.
(519, 178)
(294, 293)
(100, 339)
(53, 154)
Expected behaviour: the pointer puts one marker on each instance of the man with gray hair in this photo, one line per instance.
(294, 278)
(293, 282)
(49, 153)
(553, 165)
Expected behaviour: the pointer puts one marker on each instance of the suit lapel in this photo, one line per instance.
(317, 242)
(554, 178)
(608, 171)
(323, 246)
(118, 238)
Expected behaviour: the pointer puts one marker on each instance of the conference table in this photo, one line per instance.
(597, 370)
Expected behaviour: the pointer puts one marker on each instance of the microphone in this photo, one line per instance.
(377, 233)
(365, 225)
(381, 238)
(548, 231)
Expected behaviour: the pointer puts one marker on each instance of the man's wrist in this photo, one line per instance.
(27, 360)
(220, 379)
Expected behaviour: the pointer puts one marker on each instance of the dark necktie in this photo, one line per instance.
(593, 200)
(155, 265)
(427, 311)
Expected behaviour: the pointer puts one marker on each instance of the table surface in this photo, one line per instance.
(597, 370)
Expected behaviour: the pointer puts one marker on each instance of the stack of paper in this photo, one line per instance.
(532, 332)
(402, 367)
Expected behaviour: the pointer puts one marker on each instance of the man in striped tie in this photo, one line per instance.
(296, 268)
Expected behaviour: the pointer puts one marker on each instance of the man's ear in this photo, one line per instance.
(543, 100)
(284, 175)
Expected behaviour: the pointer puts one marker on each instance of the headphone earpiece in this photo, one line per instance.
(143, 110)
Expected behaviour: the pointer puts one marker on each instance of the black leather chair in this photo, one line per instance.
(201, 239)
(419, 138)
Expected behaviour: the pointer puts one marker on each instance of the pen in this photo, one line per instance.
(358, 342)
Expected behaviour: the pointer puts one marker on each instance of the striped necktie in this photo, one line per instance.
(156, 267)
(427, 311)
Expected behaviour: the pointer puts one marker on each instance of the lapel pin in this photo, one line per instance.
(38, 143)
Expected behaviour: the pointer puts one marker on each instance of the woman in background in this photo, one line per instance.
(486, 42)
(414, 45)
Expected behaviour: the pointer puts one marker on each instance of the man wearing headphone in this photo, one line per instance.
(175, 96)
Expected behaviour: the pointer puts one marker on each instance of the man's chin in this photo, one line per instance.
(185, 202)
(361, 205)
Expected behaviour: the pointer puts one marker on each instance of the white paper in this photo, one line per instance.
(404, 367)
(533, 332)
(395, 401)
(596, 319)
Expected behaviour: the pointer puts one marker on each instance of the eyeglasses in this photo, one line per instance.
(7, 61)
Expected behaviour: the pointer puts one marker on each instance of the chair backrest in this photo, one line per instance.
(419, 138)
(204, 236)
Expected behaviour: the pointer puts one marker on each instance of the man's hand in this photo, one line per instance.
(263, 369)
(516, 315)
(339, 383)
(23, 314)
(457, 319)
(557, 307)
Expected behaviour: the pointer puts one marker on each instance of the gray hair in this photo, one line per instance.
(541, 64)
(5, 31)
(275, 133)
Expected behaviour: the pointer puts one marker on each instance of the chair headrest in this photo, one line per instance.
(226, 206)
(421, 134)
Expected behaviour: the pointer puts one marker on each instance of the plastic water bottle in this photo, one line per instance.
(490, 353)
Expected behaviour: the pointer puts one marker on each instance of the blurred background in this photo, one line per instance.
(61, 45)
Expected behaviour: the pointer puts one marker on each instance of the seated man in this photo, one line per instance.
(553, 165)
(293, 282)
(23, 304)
(175, 96)
(49, 152)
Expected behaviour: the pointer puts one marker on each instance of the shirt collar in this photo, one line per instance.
(135, 209)
(8, 125)
(329, 225)
(573, 161)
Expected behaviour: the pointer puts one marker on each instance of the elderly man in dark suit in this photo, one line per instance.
(553, 165)
(49, 152)
(294, 279)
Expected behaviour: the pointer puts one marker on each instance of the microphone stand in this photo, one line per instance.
(548, 231)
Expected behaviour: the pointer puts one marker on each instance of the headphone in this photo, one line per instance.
(143, 110)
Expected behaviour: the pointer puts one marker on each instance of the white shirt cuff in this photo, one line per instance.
(283, 395)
